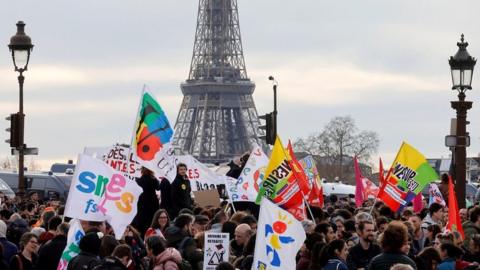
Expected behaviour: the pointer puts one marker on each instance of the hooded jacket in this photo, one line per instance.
(168, 260)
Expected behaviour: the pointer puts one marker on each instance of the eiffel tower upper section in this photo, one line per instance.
(217, 119)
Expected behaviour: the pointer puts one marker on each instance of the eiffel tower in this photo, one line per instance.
(217, 119)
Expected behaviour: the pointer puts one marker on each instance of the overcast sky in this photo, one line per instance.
(382, 62)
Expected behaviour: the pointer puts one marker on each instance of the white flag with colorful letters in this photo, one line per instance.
(246, 187)
(75, 233)
(279, 237)
(99, 193)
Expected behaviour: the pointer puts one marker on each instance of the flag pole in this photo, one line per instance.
(134, 126)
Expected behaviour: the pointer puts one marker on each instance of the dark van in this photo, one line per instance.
(47, 186)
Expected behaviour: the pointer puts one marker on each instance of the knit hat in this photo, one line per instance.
(3, 229)
(91, 242)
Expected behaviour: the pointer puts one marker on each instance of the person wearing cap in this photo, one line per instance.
(89, 252)
(9, 248)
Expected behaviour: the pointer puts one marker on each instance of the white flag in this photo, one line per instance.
(75, 233)
(435, 196)
(200, 176)
(279, 237)
(99, 193)
(119, 158)
(245, 188)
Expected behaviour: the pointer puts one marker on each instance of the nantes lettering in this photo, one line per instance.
(282, 171)
(406, 174)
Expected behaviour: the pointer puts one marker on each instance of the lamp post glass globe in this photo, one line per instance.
(461, 66)
(20, 46)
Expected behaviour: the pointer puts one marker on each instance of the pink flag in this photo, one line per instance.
(418, 203)
(359, 183)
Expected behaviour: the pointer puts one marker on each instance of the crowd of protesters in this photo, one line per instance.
(169, 231)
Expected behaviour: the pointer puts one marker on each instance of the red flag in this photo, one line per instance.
(454, 221)
(316, 195)
(298, 171)
(359, 183)
(418, 203)
(381, 177)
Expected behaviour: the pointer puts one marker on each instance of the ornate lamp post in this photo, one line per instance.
(21, 46)
(461, 66)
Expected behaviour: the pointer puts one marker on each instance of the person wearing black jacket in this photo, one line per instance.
(147, 202)
(50, 253)
(362, 253)
(181, 190)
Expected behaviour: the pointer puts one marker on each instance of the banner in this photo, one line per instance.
(99, 193)
(315, 196)
(119, 158)
(409, 174)
(216, 250)
(75, 233)
(246, 187)
(279, 237)
(280, 184)
(152, 140)
(200, 176)
(435, 196)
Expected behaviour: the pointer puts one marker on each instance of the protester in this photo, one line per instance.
(148, 202)
(9, 248)
(27, 258)
(434, 217)
(181, 197)
(163, 258)
(448, 253)
(182, 228)
(362, 253)
(120, 259)
(334, 255)
(49, 254)
(327, 231)
(89, 255)
(394, 238)
(160, 222)
(428, 259)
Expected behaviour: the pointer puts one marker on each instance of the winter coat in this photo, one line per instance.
(26, 264)
(9, 249)
(168, 260)
(181, 190)
(447, 264)
(110, 263)
(359, 257)
(335, 264)
(147, 202)
(84, 260)
(469, 228)
(166, 196)
(386, 260)
(175, 236)
(50, 253)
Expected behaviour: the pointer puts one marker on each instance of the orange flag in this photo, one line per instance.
(454, 221)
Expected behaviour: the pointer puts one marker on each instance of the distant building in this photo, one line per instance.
(442, 165)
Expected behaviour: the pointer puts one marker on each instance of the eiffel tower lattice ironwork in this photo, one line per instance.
(217, 119)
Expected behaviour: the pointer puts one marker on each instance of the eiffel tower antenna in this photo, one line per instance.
(217, 119)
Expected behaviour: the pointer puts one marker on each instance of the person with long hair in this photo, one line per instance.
(27, 258)
(334, 256)
(160, 222)
(394, 242)
(428, 259)
(148, 202)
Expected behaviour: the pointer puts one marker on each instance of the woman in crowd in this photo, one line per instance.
(27, 258)
(334, 256)
(160, 222)
(162, 258)
(428, 259)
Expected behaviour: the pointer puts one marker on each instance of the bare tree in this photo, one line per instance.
(7, 164)
(338, 142)
(33, 166)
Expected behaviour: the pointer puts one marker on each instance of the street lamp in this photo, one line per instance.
(21, 46)
(461, 66)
